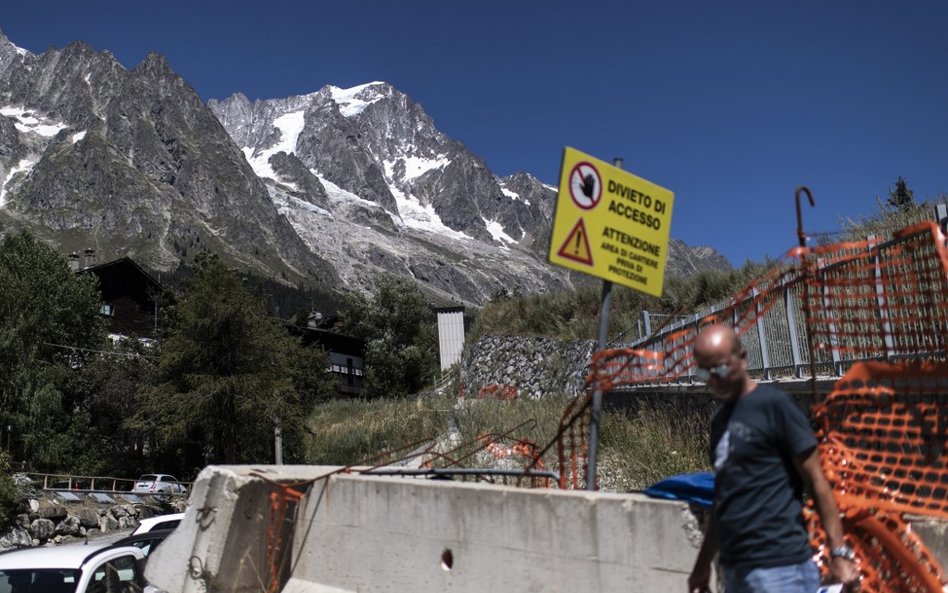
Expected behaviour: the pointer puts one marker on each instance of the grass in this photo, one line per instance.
(344, 432)
(659, 441)
(635, 451)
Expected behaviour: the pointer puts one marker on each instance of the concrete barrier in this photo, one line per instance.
(358, 533)
(371, 533)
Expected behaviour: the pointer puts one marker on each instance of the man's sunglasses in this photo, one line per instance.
(721, 371)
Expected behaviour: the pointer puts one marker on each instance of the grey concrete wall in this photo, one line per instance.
(391, 535)
(362, 533)
(357, 533)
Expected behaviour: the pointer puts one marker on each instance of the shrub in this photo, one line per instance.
(10, 498)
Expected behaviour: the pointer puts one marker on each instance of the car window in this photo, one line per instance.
(116, 576)
(166, 525)
(27, 580)
(148, 478)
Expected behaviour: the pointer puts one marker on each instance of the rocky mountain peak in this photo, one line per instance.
(335, 186)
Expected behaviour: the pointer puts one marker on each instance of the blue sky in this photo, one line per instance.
(730, 104)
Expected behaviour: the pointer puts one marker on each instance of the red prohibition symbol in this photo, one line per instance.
(585, 185)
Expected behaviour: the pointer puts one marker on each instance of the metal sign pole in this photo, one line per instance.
(604, 305)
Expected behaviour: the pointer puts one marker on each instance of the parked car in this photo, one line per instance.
(146, 542)
(75, 568)
(159, 484)
(150, 524)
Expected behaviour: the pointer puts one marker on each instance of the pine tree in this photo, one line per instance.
(226, 376)
(900, 196)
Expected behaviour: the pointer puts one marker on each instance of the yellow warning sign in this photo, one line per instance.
(611, 224)
(576, 246)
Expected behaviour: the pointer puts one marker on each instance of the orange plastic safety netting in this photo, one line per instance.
(873, 299)
(842, 303)
(890, 555)
(883, 432)
(883, 429)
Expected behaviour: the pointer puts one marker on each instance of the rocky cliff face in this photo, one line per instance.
(334, 187)
(132, 162)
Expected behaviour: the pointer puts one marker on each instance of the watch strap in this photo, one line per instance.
(843, 551)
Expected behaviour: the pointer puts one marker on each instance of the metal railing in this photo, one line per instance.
(79, 483)
(777, 344)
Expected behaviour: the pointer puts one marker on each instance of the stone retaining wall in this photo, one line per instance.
(526, 367)
(48, 520)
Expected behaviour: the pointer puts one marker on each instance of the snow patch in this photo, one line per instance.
(335, 192)
(421, 217)
(27, 121)
(510, 194)
(78, 136)
(415, 166)
(290, 125)
(496, 231)
(354, 101)
(21, 51)
(411, 213)
(513, 195)
(24, 165)
(304, 205)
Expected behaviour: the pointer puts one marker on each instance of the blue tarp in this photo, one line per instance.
(696, 488)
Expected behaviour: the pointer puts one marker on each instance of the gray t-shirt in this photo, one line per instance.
(758, 494)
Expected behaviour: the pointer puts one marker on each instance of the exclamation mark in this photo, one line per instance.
(579, 236)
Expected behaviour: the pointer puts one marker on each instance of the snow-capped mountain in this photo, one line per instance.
(333, 187)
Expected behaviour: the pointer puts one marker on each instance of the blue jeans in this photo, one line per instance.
(794, 578)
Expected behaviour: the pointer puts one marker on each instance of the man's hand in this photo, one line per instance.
(845, 572)
(700, 579)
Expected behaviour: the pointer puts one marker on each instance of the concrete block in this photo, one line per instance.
(358, 533)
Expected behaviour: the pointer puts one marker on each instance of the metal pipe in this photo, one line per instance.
(604, 305)
(801, 235)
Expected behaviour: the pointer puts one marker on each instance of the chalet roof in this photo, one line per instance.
(117, 264)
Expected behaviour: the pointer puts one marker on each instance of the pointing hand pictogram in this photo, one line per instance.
(589, 185)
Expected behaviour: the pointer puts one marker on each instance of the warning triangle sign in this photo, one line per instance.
(576, 245)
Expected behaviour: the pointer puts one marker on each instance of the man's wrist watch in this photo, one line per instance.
(843, 551)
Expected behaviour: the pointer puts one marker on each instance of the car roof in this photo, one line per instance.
(148, 535)
(70, 557)
(145, 525)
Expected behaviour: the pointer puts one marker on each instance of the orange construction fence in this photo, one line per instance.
(878, 308)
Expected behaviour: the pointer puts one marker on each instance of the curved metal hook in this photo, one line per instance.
(801, 235)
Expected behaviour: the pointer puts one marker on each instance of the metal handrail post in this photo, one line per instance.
(761, 335)
(795, 357)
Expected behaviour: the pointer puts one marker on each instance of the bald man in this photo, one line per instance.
(764, 453)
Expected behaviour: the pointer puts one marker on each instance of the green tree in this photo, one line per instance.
(49, 327)
(11, 499)
(900, 196)
(226, 377)
(400, 334)
(107, 389)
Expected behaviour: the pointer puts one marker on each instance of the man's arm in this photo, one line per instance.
(808, 466)
(700, 579)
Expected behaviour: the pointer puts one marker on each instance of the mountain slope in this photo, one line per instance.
(132, 162)
(332, 187)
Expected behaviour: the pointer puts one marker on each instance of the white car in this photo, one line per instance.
(75, 568)
(169, 521)
(159, 484)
